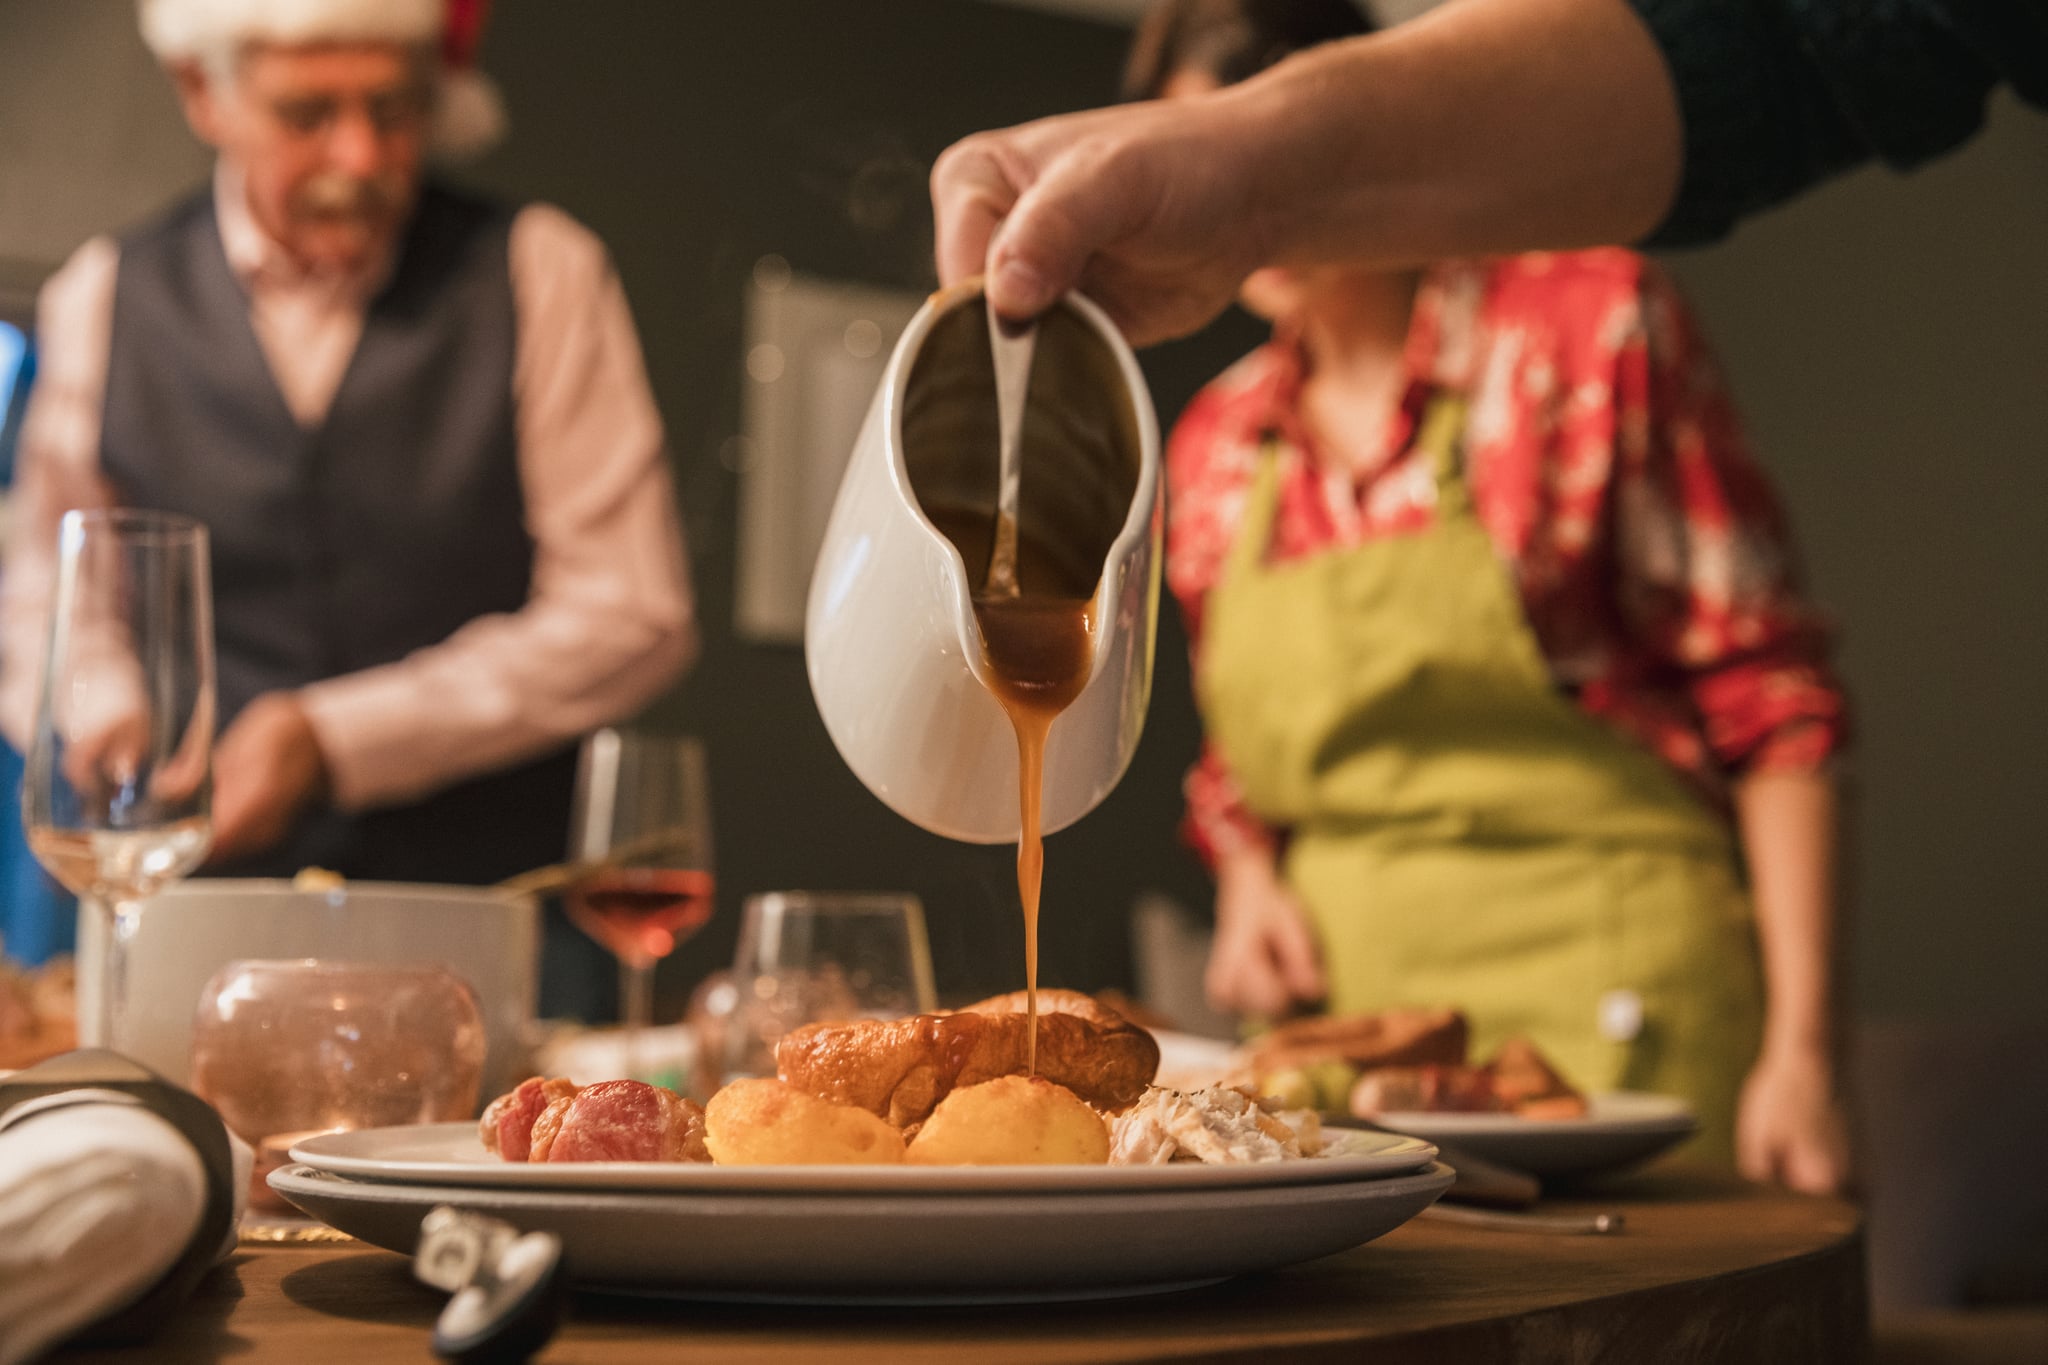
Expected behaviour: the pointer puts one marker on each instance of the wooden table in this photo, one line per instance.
(1709, 1269)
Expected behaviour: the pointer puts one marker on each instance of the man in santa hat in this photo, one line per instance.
(417, 424)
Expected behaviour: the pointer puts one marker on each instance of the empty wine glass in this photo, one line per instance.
(643, 821)
(823, 957)
(118, 794)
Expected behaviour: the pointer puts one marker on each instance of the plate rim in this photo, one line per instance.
(1039, 1203)
(1404, 1154)
(1672, 1114)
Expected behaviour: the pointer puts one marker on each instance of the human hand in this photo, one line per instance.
(104, 755)
(1790, 1128)
(1150, 211)
(1264, 959)
(267, 769)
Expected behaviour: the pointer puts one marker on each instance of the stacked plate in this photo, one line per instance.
(877, 1234)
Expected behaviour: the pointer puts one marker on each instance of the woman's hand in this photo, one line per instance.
(1790, 1128)
(1264, 959)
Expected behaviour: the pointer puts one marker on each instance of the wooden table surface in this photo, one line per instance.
(1709, 1269)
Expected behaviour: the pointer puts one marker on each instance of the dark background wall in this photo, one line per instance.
(1888, 339)
(1885, 338)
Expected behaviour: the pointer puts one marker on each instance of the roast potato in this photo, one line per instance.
(1011, 1121)
(767, 1123)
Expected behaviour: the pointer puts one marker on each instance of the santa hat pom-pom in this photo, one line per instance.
(470, 118)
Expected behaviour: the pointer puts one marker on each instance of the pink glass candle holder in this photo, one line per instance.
(303, 1046)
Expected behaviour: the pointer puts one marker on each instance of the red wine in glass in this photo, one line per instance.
(642, 913)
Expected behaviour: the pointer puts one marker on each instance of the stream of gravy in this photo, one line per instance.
(1039, 648)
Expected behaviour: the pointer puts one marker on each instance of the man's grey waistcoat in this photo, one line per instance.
(353, 543)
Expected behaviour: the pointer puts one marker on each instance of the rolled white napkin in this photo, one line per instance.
(99, 1198)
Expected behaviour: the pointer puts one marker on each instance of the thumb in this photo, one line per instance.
(1058, 225)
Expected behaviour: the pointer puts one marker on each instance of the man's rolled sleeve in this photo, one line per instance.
(610, 621)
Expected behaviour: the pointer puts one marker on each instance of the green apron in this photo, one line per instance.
(1460, 833)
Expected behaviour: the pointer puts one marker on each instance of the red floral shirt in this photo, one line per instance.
(1608, 465)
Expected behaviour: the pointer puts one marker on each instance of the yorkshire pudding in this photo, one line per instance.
(901, 1068)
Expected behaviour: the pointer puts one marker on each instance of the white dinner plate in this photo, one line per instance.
(451, 1154)
(920, 1243)
(1618, 1129)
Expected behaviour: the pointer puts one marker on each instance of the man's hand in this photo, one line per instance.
(267, 769)
(1789, 1128)
(1264, 960)
(103, 756)
(1144, 208)
(1482, 127)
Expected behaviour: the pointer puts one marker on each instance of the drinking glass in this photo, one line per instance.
(117, 798)
(642, 822)
(809, 957)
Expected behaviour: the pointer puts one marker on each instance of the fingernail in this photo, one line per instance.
(1020, 291)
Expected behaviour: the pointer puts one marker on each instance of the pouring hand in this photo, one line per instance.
(267, 769)
(1789, 1127)
(1122, 203)
(1264, 959)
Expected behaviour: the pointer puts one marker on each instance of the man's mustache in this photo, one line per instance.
(348, 196)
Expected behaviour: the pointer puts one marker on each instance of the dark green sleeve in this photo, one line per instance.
(1778, 95)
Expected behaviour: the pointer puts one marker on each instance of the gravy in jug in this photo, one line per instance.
(1080, 450)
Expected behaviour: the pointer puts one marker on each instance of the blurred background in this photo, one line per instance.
(1884, 337)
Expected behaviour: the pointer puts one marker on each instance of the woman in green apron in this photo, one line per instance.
(1511, 699)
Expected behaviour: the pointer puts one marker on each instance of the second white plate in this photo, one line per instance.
(1618, 1130)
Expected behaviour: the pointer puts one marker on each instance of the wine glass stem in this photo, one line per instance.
(636, 1001)
(127, 916)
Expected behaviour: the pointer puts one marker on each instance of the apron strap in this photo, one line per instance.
(1261, 505)
(1442, 440)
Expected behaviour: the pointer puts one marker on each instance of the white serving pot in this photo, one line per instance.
(890, 639)
(186, 933)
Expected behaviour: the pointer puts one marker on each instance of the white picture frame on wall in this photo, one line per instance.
(813, 357)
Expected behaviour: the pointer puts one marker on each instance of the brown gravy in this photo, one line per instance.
(1039, 647)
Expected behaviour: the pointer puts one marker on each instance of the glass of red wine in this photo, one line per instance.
(642, 822)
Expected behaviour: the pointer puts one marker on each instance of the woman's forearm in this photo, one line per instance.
(1788, 822)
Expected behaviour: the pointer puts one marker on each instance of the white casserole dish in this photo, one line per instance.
(490, 938)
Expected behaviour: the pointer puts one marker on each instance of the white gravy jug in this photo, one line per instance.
(890, 639)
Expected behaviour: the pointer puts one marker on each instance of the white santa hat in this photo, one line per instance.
(469, 117)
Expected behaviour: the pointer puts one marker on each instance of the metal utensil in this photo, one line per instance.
(1570, 1224)
(1479, 1181)
(545, 881)
(1012, 345)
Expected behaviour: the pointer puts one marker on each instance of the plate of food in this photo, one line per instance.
(1410, 1071)
(946, 1155)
